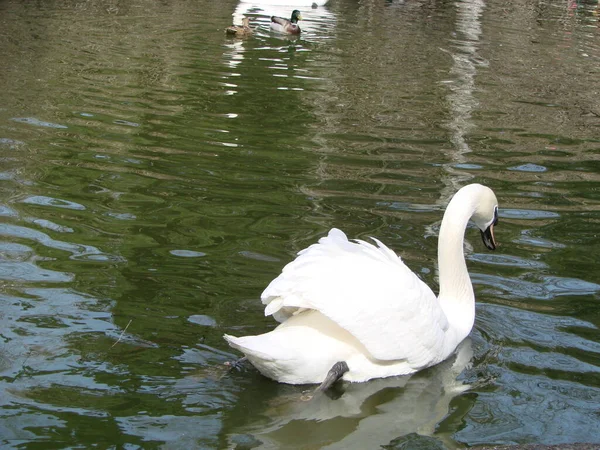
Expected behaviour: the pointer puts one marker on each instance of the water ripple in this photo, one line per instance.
(38, 122)
(25, 271)
(528, 168)
(507, 260)
(209, 162)
(520, 326)
(78, 251)
(527, 214)
(528, 238)
(42, 200)
(187, 253)
(548, 287)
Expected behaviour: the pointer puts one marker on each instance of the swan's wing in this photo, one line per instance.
(367, 290)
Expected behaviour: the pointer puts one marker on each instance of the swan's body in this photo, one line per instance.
(358, 303)
(286, 26)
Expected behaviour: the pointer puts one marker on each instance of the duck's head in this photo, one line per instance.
(296, 16)
(486, 215)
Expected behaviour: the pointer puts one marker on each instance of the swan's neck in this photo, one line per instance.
(456, 295)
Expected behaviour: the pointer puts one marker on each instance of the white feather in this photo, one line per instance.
(362, 288)
(357, 302)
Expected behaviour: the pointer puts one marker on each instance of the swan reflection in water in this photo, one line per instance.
(365, 415)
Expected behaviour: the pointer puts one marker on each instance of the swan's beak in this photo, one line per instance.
(488, 237)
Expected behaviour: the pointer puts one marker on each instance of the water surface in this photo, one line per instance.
(156, 175)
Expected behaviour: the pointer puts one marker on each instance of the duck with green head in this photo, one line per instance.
(286, 26)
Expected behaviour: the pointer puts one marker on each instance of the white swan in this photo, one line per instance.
(354, 310)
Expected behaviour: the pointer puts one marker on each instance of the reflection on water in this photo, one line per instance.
(366, 415)
(315, 23)
(156, 175)
(461, 97)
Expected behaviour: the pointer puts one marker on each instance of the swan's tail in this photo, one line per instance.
(266, 354)
(251, 347)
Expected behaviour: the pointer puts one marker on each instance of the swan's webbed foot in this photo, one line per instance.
(335, 373)
(238, 364)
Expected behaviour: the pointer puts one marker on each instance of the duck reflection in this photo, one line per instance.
(362, 415)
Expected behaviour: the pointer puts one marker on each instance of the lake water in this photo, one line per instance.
(156, 175)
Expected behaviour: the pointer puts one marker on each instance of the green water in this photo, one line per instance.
(156, 176)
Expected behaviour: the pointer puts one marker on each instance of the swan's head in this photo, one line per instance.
(486, 214)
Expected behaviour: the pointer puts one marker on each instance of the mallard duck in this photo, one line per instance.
(243, 30)
(354, 310)
(285, 26)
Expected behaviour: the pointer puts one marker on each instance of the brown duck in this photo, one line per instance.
(240, 31)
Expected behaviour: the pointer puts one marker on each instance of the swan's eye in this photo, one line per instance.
(495, 216)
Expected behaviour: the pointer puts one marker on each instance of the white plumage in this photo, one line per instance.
(358, 302)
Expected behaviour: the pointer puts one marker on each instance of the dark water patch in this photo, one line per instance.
(556, 140)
